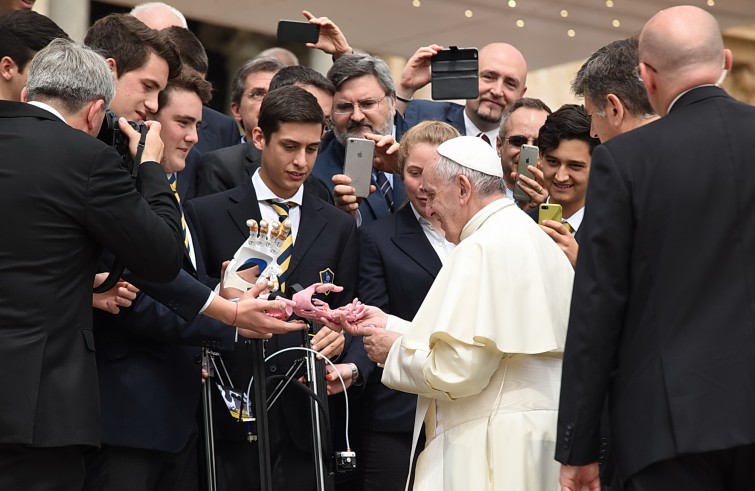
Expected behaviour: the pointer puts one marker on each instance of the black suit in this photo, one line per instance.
(232, 166)
(215, 132)
(663, 312)
(326, 239)
(149, 352)
(64, 200)
(397, 268)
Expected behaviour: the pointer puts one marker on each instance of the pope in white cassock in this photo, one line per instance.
(484, 351)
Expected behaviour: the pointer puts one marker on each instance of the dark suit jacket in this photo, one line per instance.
(447, 112)
(230, 167)
(65, 199)
(149, 352)
(327, 239)
(397, 268)
(663, 311)
(329, 162)
(216, 131)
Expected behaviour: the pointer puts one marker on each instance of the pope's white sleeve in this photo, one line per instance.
(450, 370)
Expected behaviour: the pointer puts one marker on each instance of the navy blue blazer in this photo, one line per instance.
(447, 112)
(329, 162)
(216, 131)
(150, 381)
(397, 268)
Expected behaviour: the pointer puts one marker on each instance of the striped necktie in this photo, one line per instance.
(287, 248)
(172, 180)
(384, 185)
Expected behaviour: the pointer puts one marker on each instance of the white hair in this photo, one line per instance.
(145, 7)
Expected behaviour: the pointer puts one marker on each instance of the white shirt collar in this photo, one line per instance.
(576, 219)
(48, 108)
(264, 193)
(472, 130)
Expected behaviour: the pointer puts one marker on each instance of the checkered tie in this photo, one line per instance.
(287, 248)
(172, 180)
(384, 185)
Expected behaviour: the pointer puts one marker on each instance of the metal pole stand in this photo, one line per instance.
(316, 378)
(209, 436)
(260, 406)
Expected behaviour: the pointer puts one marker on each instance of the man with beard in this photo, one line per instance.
(363, 107)
(502, 81)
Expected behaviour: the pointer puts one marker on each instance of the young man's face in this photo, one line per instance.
(288, 157)
(136, 91)
(179, 119)
(566, 170)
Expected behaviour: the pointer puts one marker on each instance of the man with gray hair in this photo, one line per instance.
(71, 196)
(484, 350)
(364, 106)
(615, 98)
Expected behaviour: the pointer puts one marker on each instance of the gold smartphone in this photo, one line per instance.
(549, 211)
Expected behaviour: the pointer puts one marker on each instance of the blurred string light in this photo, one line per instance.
(416, 3)
(609, 3)
(512, 3)
(564, 13)
(616, 23)
(519, 23)
(571, 33)
(468, 13)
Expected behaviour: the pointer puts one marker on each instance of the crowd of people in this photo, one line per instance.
(609, 347)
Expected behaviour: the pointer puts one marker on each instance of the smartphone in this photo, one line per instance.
(297, 32)
(358, 164)
(527, 156)
(454, 74)
(549, 211)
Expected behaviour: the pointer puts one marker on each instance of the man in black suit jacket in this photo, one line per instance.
(76, 198)
(324, 249)
(660, 271)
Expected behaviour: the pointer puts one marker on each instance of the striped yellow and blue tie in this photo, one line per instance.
(173, 181)
(287, 248)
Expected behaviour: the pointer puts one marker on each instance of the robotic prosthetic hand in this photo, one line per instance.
(261, 249)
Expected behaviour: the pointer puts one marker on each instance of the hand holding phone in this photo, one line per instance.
(549, 211)
(358, 164)
(527, 156)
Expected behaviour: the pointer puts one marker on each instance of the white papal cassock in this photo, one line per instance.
(484, 355)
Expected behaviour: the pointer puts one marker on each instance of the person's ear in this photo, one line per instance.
(614, 110)
(464, 189)
(258, 138)
(94, 116)
(7, 68)
(23, 95)
(113, 66)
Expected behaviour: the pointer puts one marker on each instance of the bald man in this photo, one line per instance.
(663, 313)
(159, 15)
(502, 81)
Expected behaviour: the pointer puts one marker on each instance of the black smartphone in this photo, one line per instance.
(297, 32)
(454, 73)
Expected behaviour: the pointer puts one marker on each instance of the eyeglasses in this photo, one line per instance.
(519, 140)
(365, 106)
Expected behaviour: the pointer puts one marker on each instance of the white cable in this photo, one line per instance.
(343, 384)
